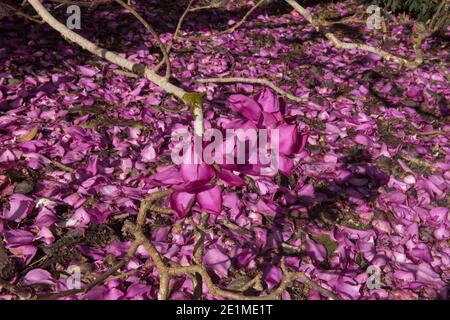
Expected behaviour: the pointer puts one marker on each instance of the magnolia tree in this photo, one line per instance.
(222, 149)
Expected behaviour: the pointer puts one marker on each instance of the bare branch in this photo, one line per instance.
(231, 29)
(103, 53)
(348, 45)
(244, 18)
(263, 82)
(168, 269)
(197, 271)
(153, 33)
(140, 69)
(213, 5)
(83, 3)
(16, 290)
(177, 31)
(62, 166)
(18, 12)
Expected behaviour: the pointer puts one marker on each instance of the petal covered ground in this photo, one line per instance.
(80, 146)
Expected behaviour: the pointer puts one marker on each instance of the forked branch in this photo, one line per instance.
(349, 45)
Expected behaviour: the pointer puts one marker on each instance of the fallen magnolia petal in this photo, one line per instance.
(245, 106)
(181, 202)
(210, 199)
(19, 207)
(217, 261)
(39, 276)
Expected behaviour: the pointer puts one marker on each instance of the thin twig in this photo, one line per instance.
(213, 5)
(140, 69)
(81, 3)
(231, 29)
(153, 33)
(102, 278)
(61, 166)
(19, 13)
(106, 54)
(262, 81)
(177, 31)
(349, 45)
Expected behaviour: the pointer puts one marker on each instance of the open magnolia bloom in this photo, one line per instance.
(191, 184)
(192, 179)
(266, 112)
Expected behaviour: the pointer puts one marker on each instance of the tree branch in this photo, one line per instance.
(231, 29)
(153, 33)
(140, 69)
(263, 82)
(106, 54)
(82, 3)
(175, 34)
(18, 12)
(197, 271)
(349, 45)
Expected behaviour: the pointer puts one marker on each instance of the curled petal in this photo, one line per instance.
(272, 276)
(230, 178)
(167, 176)
(217, 261)
(268, 100)
(285, 165)
(315, 250)
(181, 203)
(19, 207)
(197, 172)
(38, 276)
(288, 139)
(246, 106)
(210, 199)
(16, 238)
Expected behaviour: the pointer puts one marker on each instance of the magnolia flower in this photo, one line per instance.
(191, 184)
(266, 111)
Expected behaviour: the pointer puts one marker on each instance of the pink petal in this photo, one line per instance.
(86, 71)
(137, 290)
(239, 124)
(197, 172)
(231, 179)
(167, 176)
(289, 139)
(19, 207)
(79, 219)
(181, 202)
(268, 100)
(103, 293)
(246, 106)
(25, 252)
(272, 276)
(315, 250)
(285, 165)
(347, 286)
(269, 120)
(38, 276)
(15, 238)
(110, 190)
(210, 199)
(7, 156)
(148, 154)
(364, 140)
(217, 261)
